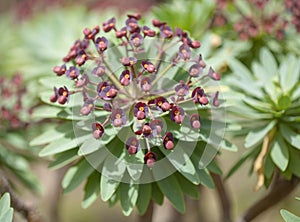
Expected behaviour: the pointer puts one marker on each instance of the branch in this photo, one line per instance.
(223, 196)
(28, 212)
(280, 190)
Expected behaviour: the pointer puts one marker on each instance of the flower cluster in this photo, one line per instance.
(11, 105)
(132, 94)
(257, 24)
(294, 7)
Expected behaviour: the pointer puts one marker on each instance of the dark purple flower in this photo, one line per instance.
(132, 25)
(118, 118)
(177, 114)
(132, 145)
(90, 34)
(158, 23)
(199, 96)
(195, 44)
(136, 39)
(101, 44)
(140, 110)
(214, 75)
(195, 70)
(162, 104)
(125, 78)
(150, 158)
(82, 81)
(107, 107)
(148, 66)
(195, 121)
(136, 16)
(184, 52)
(166, 32)
(146, 84)
(182, 89)
(157, 126)
(106, 91)
(128, 61)
(99, 70)
(88, 107)
(168, 141)
(121, 33)
(81, 57)
(98, 130)
(147, 130)
(54, 97)
(60, 70)
(109, 25)
(148, 32)
(72, 72)
(63, 95)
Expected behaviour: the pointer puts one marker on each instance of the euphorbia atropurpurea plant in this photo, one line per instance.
(142, 118)
(265, 105)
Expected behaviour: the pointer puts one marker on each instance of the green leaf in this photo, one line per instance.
(294, 164)
(6, 212)
(108, 187)
(213, 167)
(65, 143)
(187, 187)
(62, 159)
(268, 167)
(279, 152)
(91, 189)
(170, 187)
(52, 134)
(76, 175)
(144, 197)
(239, 163)
(181, 161)
(255, 137)
(135, 164)
(290, 136)
(288, 216)
(157, 195)
(289, 73)
(205, 178)
(284, 102)
(128, 197)
(269, 63)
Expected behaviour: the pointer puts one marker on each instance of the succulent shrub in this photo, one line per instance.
(266, 111)
(141, 113)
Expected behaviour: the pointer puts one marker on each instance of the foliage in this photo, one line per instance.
(6, 212)
(105, 165)
(265, 104)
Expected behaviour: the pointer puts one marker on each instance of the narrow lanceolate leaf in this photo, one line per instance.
(181, 161)
(256, 137)
(91, 189)
(290, 135)
(187, 187)
(269, 63)
(157, 194)
(289, 73)
(289, 217)
(144, 197)
(76, 175)
(65, 143)
(171, 189)
(280, 152)
(62, 159)
(108, 187)
(128, 197)
(135, 164)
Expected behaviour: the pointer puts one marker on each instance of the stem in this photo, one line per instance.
(112, 76)
(223, 196)
(281, 189)
(28, 212)
(161, 74)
